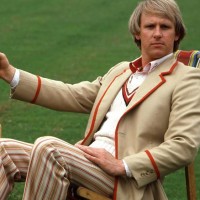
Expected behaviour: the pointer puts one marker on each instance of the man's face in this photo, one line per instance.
(157, 36)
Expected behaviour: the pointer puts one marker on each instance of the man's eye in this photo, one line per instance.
(150, 26)
(165, 27)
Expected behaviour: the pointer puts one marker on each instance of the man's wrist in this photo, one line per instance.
(128, 172)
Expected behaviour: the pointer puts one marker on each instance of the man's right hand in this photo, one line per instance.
(7, 71)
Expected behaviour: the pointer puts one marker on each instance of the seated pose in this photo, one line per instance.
(143, 124)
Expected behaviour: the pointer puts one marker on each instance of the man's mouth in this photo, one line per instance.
(157, 44)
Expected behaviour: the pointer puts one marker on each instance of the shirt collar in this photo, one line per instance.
(136, 66)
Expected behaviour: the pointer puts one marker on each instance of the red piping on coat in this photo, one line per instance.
(37, 91)
(97, 107)
(153, 163)
(117, 127)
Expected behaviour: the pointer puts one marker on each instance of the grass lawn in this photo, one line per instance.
(71, 40)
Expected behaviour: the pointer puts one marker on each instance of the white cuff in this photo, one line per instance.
(128, 172)
(15, 79)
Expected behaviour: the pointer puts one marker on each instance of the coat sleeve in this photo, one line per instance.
(181, 139)
(56, 94)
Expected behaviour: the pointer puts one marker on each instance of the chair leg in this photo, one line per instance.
(190, 181)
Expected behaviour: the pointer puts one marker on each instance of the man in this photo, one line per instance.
(143, 124)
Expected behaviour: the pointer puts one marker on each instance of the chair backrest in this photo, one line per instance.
(190, 58)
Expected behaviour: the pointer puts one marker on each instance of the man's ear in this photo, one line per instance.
(137, 36)
(176, 38)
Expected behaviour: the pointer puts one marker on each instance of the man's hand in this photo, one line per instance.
(7, 71)
(104, 160)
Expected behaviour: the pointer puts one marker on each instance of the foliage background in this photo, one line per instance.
(72, 40)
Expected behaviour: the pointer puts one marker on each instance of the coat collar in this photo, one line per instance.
(153, 81)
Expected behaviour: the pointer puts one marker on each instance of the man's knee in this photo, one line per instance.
(43, 144)
(44, 139)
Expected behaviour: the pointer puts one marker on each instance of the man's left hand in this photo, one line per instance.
(105, 160)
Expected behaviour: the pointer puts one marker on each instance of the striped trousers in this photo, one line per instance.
(48, 166)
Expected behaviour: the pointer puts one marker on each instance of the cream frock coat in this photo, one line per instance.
(159, 132)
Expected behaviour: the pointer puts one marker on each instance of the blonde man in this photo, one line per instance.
(143, 124)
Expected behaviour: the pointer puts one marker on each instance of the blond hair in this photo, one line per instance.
(163, 8)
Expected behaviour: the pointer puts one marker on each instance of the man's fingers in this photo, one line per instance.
(89, 153)
(86, 149)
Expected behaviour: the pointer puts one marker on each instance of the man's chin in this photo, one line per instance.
(158, 53)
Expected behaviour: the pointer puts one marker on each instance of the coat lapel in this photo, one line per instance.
(107, 97)
(154, 80)
(104, 100)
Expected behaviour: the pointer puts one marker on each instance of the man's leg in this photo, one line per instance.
(14, 161)
(54, 163)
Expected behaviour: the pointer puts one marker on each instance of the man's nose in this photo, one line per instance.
(157, 32)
